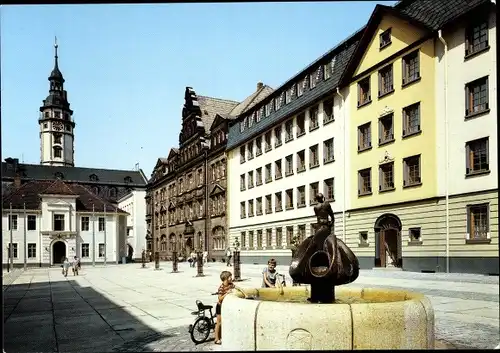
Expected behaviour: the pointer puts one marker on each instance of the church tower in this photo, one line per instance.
(56, 123)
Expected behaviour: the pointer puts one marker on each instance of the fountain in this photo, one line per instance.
(320, 316)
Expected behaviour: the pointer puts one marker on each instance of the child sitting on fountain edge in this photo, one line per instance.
(226, 286)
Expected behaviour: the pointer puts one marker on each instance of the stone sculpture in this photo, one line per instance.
(322, 260)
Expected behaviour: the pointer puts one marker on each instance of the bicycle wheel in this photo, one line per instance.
(201, 330)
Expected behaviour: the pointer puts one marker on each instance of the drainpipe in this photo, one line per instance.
(344, 157)
(447, 151)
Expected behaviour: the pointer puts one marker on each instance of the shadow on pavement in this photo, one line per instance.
(62, 316)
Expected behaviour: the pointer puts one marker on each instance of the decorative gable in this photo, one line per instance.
(217, 190)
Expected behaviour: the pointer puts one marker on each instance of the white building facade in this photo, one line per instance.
(135, 205)
(60, 228)
(280, 156)
(466, 59)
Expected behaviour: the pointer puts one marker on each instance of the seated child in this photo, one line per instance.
(227, 284)
(269, 274)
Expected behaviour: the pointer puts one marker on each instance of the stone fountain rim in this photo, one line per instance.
(410, 296)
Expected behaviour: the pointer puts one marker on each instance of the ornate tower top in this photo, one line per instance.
(56, 74)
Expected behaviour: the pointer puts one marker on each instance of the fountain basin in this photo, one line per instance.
(361, 318)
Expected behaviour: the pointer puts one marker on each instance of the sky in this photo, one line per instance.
(126, 67)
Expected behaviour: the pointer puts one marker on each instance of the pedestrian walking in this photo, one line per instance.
(229, 255)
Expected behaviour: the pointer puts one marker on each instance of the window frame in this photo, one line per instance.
(406, 63)
(361, 93)
(361, 183)
(469, 50)
(406, 180)
(406, 120)
(468, 151)
(478, 240)
(382, 140)
(361, 129)
(385, 38)
(385, 88)
(469, 97)
(381, 180)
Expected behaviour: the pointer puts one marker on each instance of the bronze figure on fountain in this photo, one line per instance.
(322, 260)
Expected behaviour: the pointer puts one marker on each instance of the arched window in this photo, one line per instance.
(93, 177)
(127, 179)
(163, 243)
(57, 152)
(96, 190)
(112, 192)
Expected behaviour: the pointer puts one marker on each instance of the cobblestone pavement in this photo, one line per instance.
(124, 308)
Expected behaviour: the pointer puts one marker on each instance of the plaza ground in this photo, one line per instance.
(128, 308)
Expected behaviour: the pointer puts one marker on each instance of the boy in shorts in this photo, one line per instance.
(227, 284)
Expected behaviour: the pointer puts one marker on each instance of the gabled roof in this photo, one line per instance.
(210, 106)
(28, 195)
(58, 187)
(251, 100)
(369, 32)
(173, 152)
(219, 119)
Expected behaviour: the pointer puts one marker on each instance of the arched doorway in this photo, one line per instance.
(58, 252)
(388, 241)
(188, 246)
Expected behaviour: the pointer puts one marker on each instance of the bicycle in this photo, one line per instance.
(202, 324)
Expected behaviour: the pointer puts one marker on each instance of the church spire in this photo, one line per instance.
(56, 74)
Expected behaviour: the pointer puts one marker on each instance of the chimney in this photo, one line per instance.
(259, 85)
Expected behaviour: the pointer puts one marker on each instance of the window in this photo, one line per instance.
(242, 154)
(250, 239)
(259, 206)
(85, 250)
(313, 156)
(250, 208)
(289, 199)
(301, 232)
(288, 96)
(267, 109)
(327, 72)
(59, 222)
(278, 202)
(364, 96)
(414, 234)
(58, 138)
(385, 81)
(102, 247)
(13, 222)
(411, 119)
(411, 170)
(364, 137)
(386, 129)
(277, 170)
(313, 191)
(269, 206)
(57, 151)
(327, 110)
(385, 38)
(14, 250)
(328, 151)
(242, 210)
(31, 250)
(277, 136)
(250, 179)
(279, 237)
(300, 87)
(242, 182)
(477, 156)
(313, 118)
(269, 237)
(250, 150)
(301, 124)
(301, 161)
(312, 79)
(258, 173)
(289, 130)
(102, 224)
(365, 182)
(269, 173)
(386, 176)
(411, 68)
(31, 222)
(478, 222)
(267, 139)
(329, 191)
(289, 165)
(259, 239)
(476, 94)
(476, 38)
(363, 238)
(85, 224)
(289, 235)
(277, 103)
(301, 196)
(258, 145)
(243, 239)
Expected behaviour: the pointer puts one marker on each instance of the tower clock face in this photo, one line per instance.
(57, 126)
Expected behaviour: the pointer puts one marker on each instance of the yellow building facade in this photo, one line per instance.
(393, 144)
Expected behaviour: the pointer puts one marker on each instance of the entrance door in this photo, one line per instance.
(189, 246)
(391, 245)
(388, 241)
(58, 252)
(381, 249)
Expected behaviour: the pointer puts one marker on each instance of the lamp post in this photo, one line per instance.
(199, 258)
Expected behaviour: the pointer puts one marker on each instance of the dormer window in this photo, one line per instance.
(257, 116)
(385, 38)
(127, 179)
(93, 177)
(59, 175)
